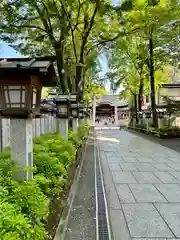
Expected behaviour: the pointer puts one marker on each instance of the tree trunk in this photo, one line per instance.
(136, 107)
(59, 50)
(69, 83)
(140, 95)
(79, 81)
(152, 81)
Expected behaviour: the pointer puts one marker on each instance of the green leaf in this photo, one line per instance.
(126, 5)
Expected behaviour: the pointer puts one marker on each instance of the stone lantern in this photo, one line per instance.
(21, 81)
(63, 113)
(48, 113)
(148, 115)
(160, 115)
(63, 106)
(74, 111)
(81, 113)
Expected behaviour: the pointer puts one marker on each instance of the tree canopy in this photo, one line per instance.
(138, 62)
(140, 39)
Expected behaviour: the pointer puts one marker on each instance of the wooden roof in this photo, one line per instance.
(43, 66)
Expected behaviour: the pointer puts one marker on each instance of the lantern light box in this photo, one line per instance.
(62, 103)
(21, 81)
(81, 110)
(73, 98)
(74, 110)
(21, 84)
(74, 105)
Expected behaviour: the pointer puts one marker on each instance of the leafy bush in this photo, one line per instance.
(22, 208)
(169, 131)
(15, 225)
(138, 126)
(73, 138)
(77, 139)
(24, 205)
(83, 131)
(164, 132)
(52, 157)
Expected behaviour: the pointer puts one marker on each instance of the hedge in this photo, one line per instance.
(24, 205)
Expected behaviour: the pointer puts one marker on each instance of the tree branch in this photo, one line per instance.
(72, 32)
(85, 37)
(121, 34)
(92, 19)
(45, 24)
(102, 42)
(78, 14)
(48, 17)
(26, 26)
(132, 92)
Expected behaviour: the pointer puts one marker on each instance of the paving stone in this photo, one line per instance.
(114, 167)
(124, 193)
(159, 160)
(109, 154)
(175, 166)
(118, 225)
(145, 154)
(171, 214)
(146, 193)
(111, 193)
(174, 159)
(145, 222)
(155, 238)
(170, 191)
(128, 167)
(128, 154)
(162, 167)
(166, 177)
(146, 159)
(145, 167)
(115, 159)
(123, 177)
(159, 156)
(146, 177)
(119, 153)
(129, 159)
(176, 174)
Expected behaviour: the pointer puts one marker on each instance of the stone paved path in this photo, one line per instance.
(142, 182)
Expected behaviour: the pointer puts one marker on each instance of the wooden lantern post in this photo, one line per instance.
(21, 81)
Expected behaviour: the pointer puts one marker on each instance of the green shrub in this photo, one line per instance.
(15, 225)
(52, 163)
(24, 204)
(83, 131)
(30, 199)
(73, 138)
(170, 131)
(77, 139)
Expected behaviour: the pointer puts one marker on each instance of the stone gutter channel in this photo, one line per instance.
(86, 215)
(103, 231)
